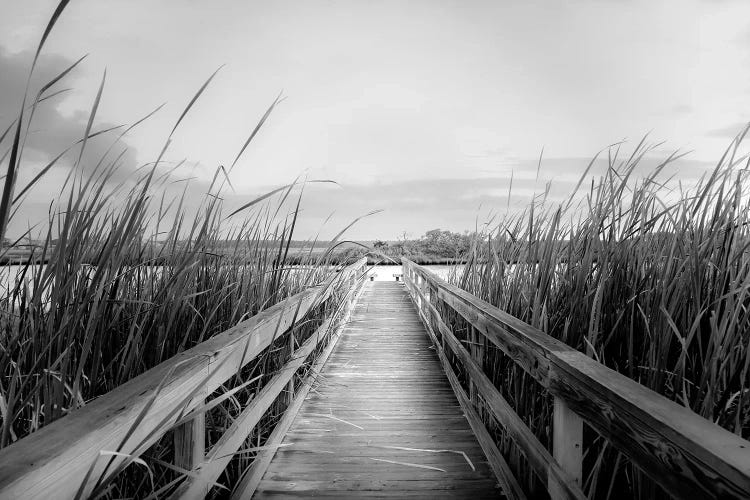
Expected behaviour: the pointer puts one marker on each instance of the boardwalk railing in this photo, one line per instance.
(687, 455)
(74, 456)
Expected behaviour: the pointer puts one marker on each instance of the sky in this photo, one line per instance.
(421, 109)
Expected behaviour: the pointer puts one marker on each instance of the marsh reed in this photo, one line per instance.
(124, 275)
(652, 281)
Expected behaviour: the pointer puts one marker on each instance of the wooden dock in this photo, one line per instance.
(388, 398)
(382, 419)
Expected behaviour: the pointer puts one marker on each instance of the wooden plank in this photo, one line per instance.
(500, 467)
(385, 431)
(54, 461)
(685, 453)
(538, 457)
(373, 484)
(567, 445)
(198, 485)
(190, 442)
(399, 494)
(251, 478)
(361, 459)
(526, 346)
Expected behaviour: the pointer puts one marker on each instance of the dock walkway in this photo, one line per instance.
(397, 400)
(382, 420)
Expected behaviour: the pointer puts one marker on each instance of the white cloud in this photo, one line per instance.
(404, 92)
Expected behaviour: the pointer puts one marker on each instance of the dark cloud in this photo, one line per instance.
(51, 131)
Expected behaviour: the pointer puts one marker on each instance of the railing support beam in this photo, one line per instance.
(567, 445)
(64, 460)
(190, 443)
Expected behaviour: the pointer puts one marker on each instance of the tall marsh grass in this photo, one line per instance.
(132, 277)
(651, 281)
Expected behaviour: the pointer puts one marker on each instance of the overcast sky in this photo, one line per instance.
(420, 108)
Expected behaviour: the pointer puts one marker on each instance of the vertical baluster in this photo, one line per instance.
(437, 304)
(290, 384)
(352, 285)
(419, 287)
(567, 444)
(190, 441)
(434, 302)
(473, 338)
(481, 359)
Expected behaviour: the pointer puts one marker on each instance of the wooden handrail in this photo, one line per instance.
(248, 484)
(198, 484)
(68, 457)
(684, 453)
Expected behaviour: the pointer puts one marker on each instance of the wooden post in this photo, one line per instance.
(190, 442)
(290, 384)
(473, 338)
(352, 286)
(418, 285)
(567, 445)
(481, 359)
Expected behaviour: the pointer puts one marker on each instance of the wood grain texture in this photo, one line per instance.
(198, 485)
(381, 410)
(55, 461)
(686, 454)
(538, 457)
(567, 445)
(499, 466)
(252, 476)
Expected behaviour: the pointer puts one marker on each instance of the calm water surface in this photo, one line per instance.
(385, 273)
(9, 275)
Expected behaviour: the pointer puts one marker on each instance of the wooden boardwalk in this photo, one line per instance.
(382, 420)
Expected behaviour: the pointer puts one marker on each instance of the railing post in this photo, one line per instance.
(567, 445)
(290, 384)
(190, 442)
(435, 300)
(352, 285)
(473, 338)
(418, 284)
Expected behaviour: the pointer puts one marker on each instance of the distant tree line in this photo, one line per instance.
(434, 247)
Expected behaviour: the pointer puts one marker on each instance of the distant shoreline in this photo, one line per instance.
(19, 259)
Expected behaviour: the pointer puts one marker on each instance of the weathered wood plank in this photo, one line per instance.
(217, 459)
(190, 442)
(538, 457)
(53, 462)
(567, 445)
(685, 453)
(250, 480)
(377, 419)
(497, 462)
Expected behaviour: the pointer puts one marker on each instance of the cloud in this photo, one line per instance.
(457, 204)
(51, 130)
(729, 131)
(681, 109)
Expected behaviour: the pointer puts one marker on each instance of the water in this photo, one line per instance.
(385, 273)
(9, 275)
